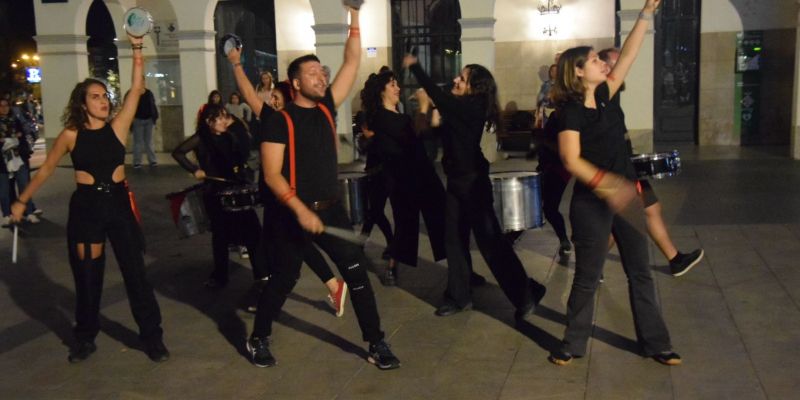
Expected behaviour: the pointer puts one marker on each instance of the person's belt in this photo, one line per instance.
(102, 187)
(323, 204)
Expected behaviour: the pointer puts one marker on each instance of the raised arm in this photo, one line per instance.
(346, 76)
(122, 122)
(271, 165)
(245, 87)
(630, 49)
(60, 147)
(444, 101)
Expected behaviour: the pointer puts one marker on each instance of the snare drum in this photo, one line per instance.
(354, 195)
(229, 42)
(138, 22)
(188, 211)
(657, 165)
(517, 200)
(239, 198)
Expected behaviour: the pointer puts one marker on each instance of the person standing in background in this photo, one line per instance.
(142, 128)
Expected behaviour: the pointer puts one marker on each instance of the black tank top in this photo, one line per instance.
(98, 152)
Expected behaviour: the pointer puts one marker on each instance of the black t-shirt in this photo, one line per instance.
(315, 149)
(602, 132)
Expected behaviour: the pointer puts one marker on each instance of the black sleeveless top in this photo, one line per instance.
(98, 152)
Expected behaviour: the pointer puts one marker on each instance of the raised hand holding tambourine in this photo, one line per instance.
(138, 22)
(354, 4)
(228, 42)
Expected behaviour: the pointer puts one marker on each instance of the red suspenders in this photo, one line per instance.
(290, 129)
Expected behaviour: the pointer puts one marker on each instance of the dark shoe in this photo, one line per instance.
(682, 263)
(476, 280)
(668, 357)
(390, 276)
(212, 283)
(565, 249)
(560, 357)
(81, 352)
(157, 351)
(259, 352)
(137, 166)
(381, 355)
(537, 293)
(602, 278)
(153, 164)
(450, 308)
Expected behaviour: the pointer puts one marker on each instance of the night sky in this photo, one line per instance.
(17, 29)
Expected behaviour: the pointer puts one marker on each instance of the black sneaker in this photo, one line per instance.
(81, 352)
(449, 308)
(565, 249)
(560, 357)
(390, 276)
(476, 280)
(668, 357)
(157, 351)
(259, 352)
(682, 263)
(381, 355)
(537, 293)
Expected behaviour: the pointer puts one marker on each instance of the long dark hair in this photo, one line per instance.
(75, 115)
(482, 84)
(371, 101)
(569, 86)
(286, 90)
(211, 96)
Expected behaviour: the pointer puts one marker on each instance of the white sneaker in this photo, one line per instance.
(6, 221)
(243, 252)
(32, 218)
(37, 212)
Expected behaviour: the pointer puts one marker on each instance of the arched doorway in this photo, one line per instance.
(254, 22)
(103, 63)
(431, 28)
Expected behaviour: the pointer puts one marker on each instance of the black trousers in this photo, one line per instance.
(290, 242)
(377, 194)
(233, 227)
(554, 182)
(592, 221)
(94, 216)
(469, 209)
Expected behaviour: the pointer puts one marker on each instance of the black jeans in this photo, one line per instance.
(237, 227)
(553, 186)
(592, 221)
(377, 193)
(94, 216)
(290, 243)
(469, 209)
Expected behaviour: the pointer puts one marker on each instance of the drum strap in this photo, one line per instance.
(290, 128)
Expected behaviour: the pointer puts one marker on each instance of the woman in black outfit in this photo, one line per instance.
(592, 146)
(377, 192)
(101, 208)
(410, 177)
(222, 146)
(466, 111)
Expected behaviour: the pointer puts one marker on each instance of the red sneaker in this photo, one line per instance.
(337, 300)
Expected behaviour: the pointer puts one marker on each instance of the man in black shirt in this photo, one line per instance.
(298, 154)
(142, 129)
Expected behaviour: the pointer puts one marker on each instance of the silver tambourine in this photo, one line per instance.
(356, 4)
(138, 22)
(228, 43)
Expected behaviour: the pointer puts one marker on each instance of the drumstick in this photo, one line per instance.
(344, 234)
(14, 245)
(214, 178)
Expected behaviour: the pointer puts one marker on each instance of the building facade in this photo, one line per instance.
(734, 95)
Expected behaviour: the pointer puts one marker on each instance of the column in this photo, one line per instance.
(637, 99)
(795, 141)
(198, 73)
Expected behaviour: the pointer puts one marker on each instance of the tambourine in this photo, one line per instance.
(138, 22)
(353, 3)
(228, 43)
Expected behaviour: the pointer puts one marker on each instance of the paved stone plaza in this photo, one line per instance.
(735, 318)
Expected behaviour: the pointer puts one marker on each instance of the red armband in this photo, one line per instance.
(284, 198)
(596, 179)
(355, 32)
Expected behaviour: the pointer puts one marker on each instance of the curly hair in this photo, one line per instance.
(569, 86)
(371, 101)
(75, 115)
(482, 84)
(285, 88)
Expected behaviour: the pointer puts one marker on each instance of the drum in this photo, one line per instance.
(228, 43)
(657, 165)
(188, 211)
(353, 194)
(517, 200)
(138, 22)
(239, 198)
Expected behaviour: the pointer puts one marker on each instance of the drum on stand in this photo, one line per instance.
(353, 193)
(239, 198)
(188, 211)
(657, 165)
(517, 200)
(138, 22)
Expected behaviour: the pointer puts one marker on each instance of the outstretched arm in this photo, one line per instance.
(245, 87)
(122, 122)
(60, 147)
(346, 77)
(631, 47)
